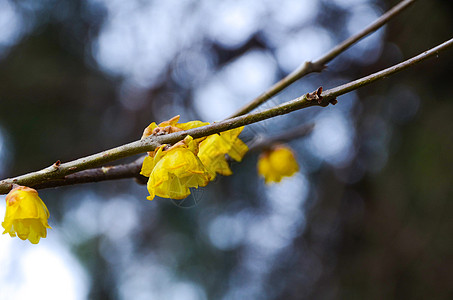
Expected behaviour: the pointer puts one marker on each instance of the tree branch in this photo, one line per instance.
(320, 64)
(346, 88)
(132, 170)
(317, 98)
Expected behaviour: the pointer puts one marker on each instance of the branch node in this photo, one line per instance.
(316, 95)
(106, 169)
(56, 164)
(309, 66)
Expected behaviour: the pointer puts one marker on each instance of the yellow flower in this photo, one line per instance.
(237, 147)
(170, 126)
(212, 155)
(26, 215)
(214, 147)
(174, 170)
(277, 163)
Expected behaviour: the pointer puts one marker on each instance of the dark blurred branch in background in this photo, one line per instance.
(262, 142)
(320, 64)
(317, 98)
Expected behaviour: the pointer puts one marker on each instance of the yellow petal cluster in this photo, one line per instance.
(214, 148)
(277, 163)
(173, 171)
(188, 163)
(26, 215)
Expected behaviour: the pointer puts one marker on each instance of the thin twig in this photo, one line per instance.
(346, 88)
(317, 98)
(320, 64)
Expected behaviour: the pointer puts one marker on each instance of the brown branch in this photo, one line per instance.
(132, 170)
(317, 98)
(320, 64)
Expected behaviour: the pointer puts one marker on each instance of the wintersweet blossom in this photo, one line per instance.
(26, 215)
(214, 148)
(276, 163)
(170, 126)
(189, 163)
(174, 170)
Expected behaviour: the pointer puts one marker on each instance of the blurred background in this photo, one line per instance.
(367, 215)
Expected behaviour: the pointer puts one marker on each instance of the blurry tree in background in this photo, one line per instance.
(368, 215)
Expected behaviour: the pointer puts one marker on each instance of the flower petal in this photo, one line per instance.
(26, 215)
(277, 163)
